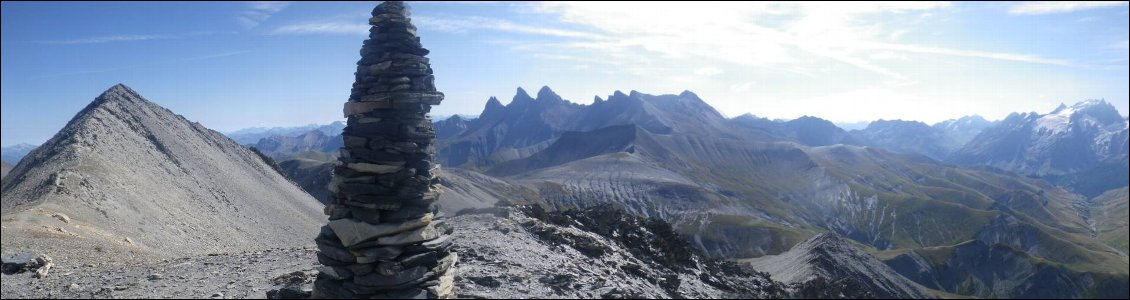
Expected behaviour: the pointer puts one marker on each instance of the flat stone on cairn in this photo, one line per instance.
(386, 237)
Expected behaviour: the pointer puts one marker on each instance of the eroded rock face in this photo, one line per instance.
(385, 237)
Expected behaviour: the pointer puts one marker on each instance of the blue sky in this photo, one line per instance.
(232, 65)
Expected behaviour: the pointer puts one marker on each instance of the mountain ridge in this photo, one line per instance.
(128, 176)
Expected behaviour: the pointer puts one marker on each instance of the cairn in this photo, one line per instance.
(386, 237)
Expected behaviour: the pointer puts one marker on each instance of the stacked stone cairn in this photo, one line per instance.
(386, 237)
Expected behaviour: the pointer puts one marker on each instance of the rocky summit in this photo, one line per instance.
(129, 179)
(385, 237)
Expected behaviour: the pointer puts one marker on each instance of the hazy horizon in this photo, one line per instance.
(291, 63)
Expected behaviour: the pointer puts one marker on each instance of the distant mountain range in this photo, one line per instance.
(250, 136)
(1083, 146)
(16, 153)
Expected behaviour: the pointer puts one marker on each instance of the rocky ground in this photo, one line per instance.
(504, 253)
(243, 275)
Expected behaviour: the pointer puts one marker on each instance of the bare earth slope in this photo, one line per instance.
(129, 177)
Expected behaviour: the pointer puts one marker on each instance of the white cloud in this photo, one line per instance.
(742, 87)
(465, 24)
(1053, 7)
(259, 11)
(887, 55)
(765, 35)
(333, 27)
(708, 71)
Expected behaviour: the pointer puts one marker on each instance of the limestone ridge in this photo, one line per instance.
(385, 237)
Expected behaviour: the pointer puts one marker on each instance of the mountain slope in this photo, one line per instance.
(909, 137)
(976, 268)
(313, 176)
(832, 258)
(126, 176)
(4, 169)
(1110, 213)
(598, 252)
(964, 129)
(806, 130)
(1083, 146)
(279, 146)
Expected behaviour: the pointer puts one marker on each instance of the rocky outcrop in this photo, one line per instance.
(830, 261)
(599, 252)
(385, 237)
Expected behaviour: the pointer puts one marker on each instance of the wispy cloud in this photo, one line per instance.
(751, 34)
(708, 71)
(465, 24)
(259, 11)
(331, 27)
(110, 38)
(1054, 7)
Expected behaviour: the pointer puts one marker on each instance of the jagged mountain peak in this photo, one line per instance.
(1059, 108)
(897, 122)
(521, 96)
(547, 94)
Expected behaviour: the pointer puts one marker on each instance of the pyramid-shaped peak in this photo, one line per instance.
(142, 151)
(547, 94)
(493, 102)
(1059, 108)
(521, 96)
(118, 91)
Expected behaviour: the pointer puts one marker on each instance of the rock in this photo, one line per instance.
(46, 267)
(352, 232)
(217, 295)
(337, 273)
(413, 293)
(26, 262)
(375, 169)
(62, 217)
(421, 234)
(289, 292)
(445, 287)
(156, 276)
(381, 280)
(357, 108)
